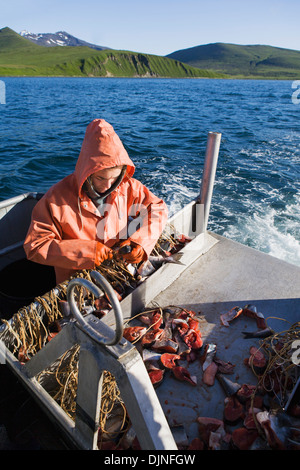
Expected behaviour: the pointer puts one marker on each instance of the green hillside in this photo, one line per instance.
(21, 57)
(254, 61)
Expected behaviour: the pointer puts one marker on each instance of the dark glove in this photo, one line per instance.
(102, 253)
(135, 255)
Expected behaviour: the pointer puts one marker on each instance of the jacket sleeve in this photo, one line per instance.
(150, 215)
(44, 243)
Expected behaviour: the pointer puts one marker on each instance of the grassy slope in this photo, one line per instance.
(256, 61)
(19, 56)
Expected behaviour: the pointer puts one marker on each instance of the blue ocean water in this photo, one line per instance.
(163, 123)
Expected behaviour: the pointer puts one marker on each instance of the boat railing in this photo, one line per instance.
(15, 216)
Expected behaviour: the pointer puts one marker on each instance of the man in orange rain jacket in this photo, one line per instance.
(81, 218)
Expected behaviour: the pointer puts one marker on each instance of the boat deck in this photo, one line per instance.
(225, 275)
(228, 275)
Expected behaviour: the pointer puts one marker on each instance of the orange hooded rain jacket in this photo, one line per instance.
(66, 225)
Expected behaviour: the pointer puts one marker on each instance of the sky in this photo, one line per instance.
(160, 26)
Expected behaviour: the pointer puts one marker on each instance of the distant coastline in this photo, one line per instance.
(148, 78)
(20, 57)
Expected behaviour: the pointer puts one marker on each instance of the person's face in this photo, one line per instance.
(103, 179)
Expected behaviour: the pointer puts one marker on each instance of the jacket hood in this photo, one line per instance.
(101, 148)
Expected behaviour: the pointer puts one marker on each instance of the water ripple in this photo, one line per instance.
(164, 125)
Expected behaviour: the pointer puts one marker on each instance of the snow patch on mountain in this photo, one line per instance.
(60, 38)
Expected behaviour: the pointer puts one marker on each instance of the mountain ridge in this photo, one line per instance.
(29, 54)
(255, 61)
(21, 57)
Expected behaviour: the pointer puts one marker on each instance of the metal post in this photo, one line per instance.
(209, 171)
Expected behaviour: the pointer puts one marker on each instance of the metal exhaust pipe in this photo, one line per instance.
(209, 172)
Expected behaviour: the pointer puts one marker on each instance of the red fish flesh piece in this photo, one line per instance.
(165, 345)
(156, 321)
(214, 442)
(190, 313)
(224, 367)
(230, 315)
(102, 304)
(243, 438)
(194, 324)
(51, 336)
(23, 355)
(182, 374)
(245, 392)
(233, 410)
(150, 337)
(180, 325)
(168, 360)
(184, 314)
(250, 311)
(184, 239)
(147, 317)
(193, 339)
(183, 348)
(209, 374)
(133, 333)
(208, 425)
(257, 360)
(273, 440)
(118, 295)
(249, 421)
(209, 367)
(153, 319)
(218, 438)
(156, 376)
(208, 355)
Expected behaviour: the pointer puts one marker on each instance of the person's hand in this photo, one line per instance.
(135, 255)
(102, 253)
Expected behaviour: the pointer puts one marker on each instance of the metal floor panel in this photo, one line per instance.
(228, 275)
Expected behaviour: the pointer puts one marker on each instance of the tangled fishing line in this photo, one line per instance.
(281, 372)
(31, 327)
